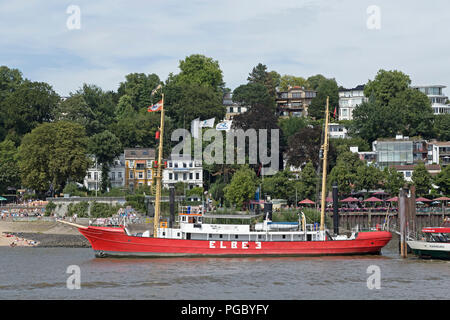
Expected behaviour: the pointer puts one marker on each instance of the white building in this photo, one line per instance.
(349, 99)
(337, 130)
(93, 179)
(437, 98)
(232, 108)
(187, 171)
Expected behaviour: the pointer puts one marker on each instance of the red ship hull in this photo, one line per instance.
(115, 242)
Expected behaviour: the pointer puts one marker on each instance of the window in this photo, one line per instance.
(184, 176)
(197, 175)
(113, 176)
(176, 164)
(131, 174)
(184, 165)
(170, 164)
(176, 176)
(296, 95)
(89, 175)
(140, 166)
(236, 236)
(119, 175)
(141, 175)
(95, 175)
(149, 174)
(170, 176)
(191, 176)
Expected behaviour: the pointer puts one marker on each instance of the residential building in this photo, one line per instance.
(139, 167)
(403, 151)
(232, 108)
(93, 179)
(187, 171)
(407, 170)
(349, 99)
(439, 101)
(368, 156)
(439, 152)
(294, 102)
(337, 130)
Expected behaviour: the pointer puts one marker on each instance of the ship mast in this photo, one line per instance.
(158, 174)
(324, 171)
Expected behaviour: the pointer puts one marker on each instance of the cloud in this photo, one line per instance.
(291, 37)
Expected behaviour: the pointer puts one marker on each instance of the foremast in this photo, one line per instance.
(159, 174)
(324, 171)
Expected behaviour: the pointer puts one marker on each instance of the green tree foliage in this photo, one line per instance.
(393, 108)
(307, 183)
(199, 70)
(314, 82)
(422, 180)
(9, 170)
(271, 80)
(280, 186)
(326, 88)
(442, 127)
(124, 107)
(137, 88)
(393, 180)
(368, 178)
(53, 153)
(287, 81)
(304, 146)
(343, 145)
(27, 105)
(442, 180)
(253, 94)
(106, 147)
(345, 173)
(242, 187)
(290, 126)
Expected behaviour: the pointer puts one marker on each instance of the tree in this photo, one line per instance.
(326, 88)
(305, 145)
(345, 173)
(287, 81)
(421, 179)
(138, 88)
(253, 94)
(270, 80)
(442, 180)
(442, 127)
(9, 171)
(199, 70)
(124, 108)
(106, 147)
(393, 108)
(242, 187)
(280, 186)
(53, 153)
(393, 180)
(307, 184)
(368, 178)
(313, 82)
(290, 126)
(28, 105)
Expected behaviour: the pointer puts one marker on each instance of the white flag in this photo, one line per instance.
(207, 123)
(224, 125)
(195, 125)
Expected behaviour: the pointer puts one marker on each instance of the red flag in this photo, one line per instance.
(157, 135)
(155, 107)
(334, 114)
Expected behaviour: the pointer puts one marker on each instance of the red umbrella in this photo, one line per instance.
(328, 199)
(373, 199)
(394, 199)
(306, 201)
(422, 199)
(350, 199)
(442, 199)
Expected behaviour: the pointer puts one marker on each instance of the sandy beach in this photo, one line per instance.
(40, 234)
(10, 240)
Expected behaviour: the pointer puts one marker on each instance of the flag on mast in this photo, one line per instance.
(156, 107)
(334, 114)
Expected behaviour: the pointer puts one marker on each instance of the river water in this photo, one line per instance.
(41, 273)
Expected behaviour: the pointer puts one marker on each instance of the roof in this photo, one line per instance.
(429, 167)
(140, 153)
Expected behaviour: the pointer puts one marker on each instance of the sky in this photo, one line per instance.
(347, 40)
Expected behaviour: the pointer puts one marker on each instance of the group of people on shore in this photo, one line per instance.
(15, 241)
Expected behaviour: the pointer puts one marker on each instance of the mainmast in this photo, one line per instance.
(324, 171)
(159, 174)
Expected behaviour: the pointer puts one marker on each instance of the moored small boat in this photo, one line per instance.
(435, 243)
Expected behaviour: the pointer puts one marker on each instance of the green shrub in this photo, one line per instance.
(80, 208)
(103, 210)
(49, 208)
